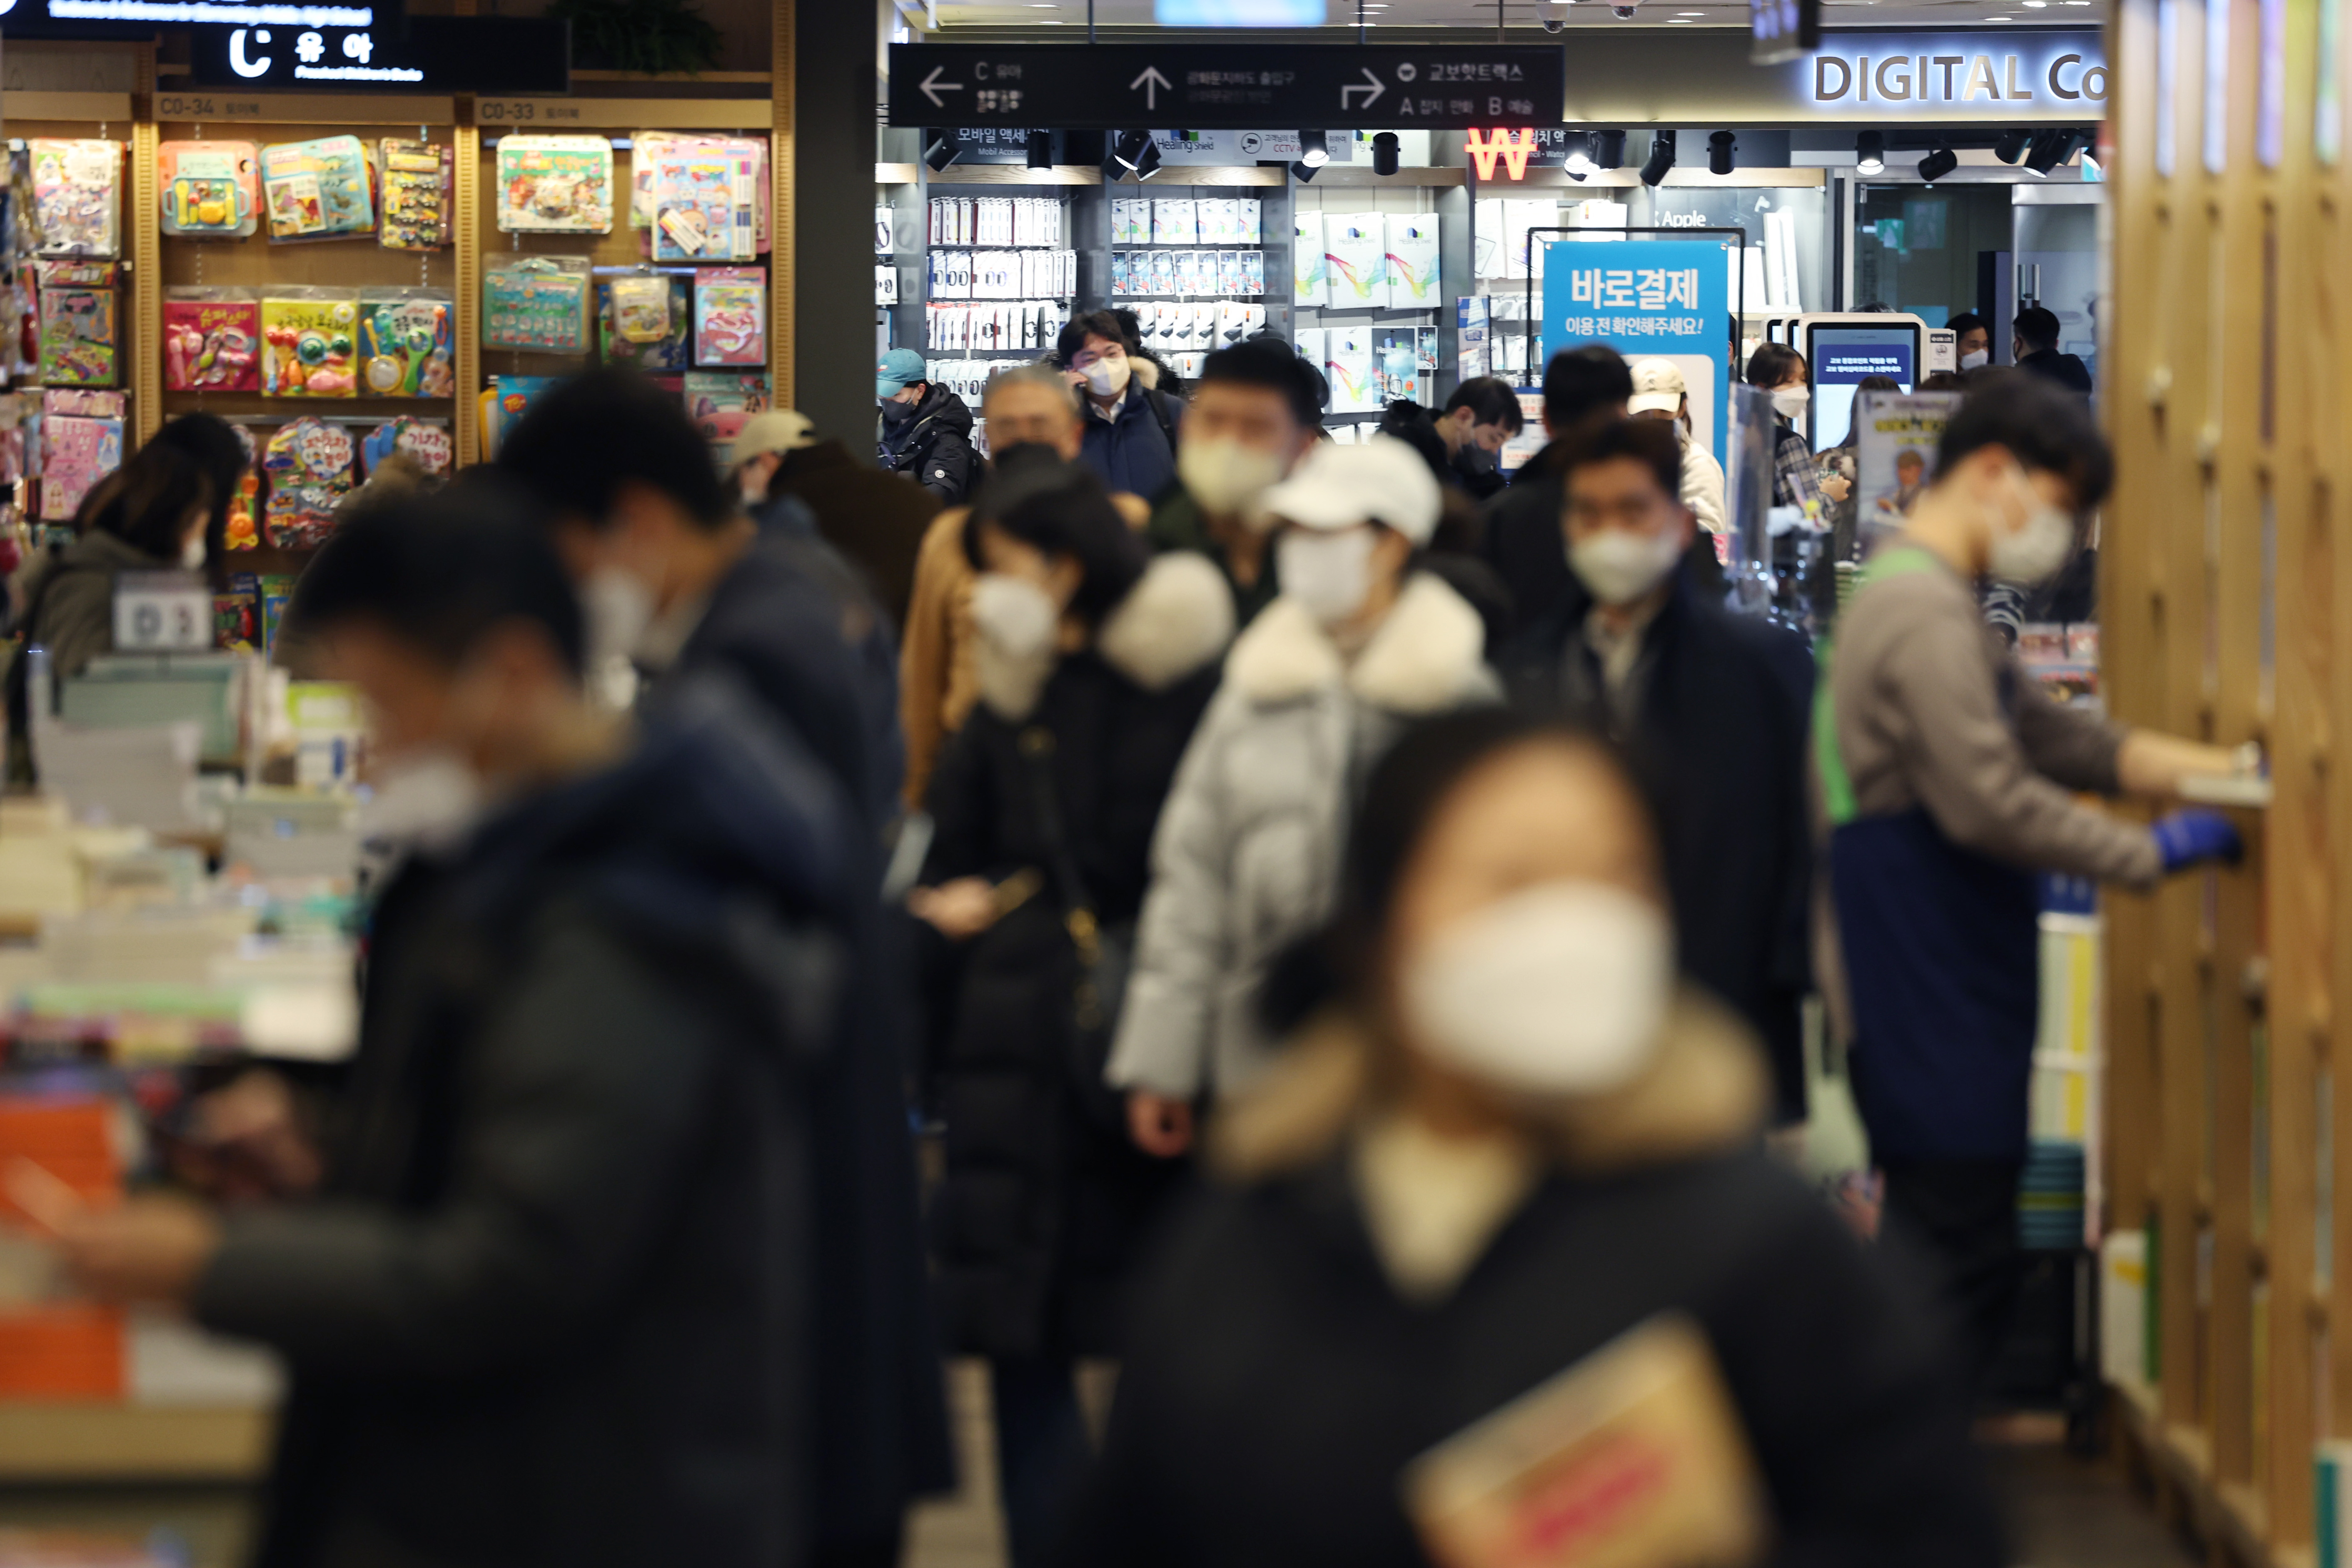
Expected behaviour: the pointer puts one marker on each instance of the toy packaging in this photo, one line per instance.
(428, 446)
(407, 342)
(654, 173)
(78, 197)
(537, 302)
(243, 530)
(555, 185)
(418, 195)
(209, 189)
(211, 339)
(310, 467)
(310, 342)
(504, 402)
(80, 322)
(672, 350)
(703, 207)
(731, 316)
(236, 615)
(276, 594)
(317, 190)
(81, 443)
(718, 405)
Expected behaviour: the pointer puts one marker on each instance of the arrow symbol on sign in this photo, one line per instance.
(933, 87)
(1152, 81)
(1373, 86)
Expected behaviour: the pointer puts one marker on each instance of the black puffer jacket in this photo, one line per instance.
(933, 447)
(1044, 1194)
(553, 1303)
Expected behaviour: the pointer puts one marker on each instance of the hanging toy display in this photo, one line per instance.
(538, 302)
(243, 528)
(309, 343)
(310, 467)
(426, 444)
(407, 342)
(555, 185)
(628, 310)
(81, 325)
(78, 197)
(81, 443)
(418, 194)
(317, 190)
(209, 189)
(731, 316)
(211, 339)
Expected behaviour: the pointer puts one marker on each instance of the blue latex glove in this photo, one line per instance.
(2193, 836)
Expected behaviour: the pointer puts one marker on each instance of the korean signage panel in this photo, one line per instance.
(146, 18)
(1647, 298)
(420, 54)
(1226, 85)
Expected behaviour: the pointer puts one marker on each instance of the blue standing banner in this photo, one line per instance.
(1649, 299)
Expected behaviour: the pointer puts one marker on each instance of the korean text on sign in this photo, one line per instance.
(1634, 288)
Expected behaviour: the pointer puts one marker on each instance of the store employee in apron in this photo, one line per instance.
(1949, 779)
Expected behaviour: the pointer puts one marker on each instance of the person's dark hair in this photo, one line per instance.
(214, 445)
(2037, 327)
(1093, 324)
(1769, 365)
(587, 439)
(2042, 425)
(1579, 382)
(1853, 420)
(1968, 322)
(1406, 788)
(1946, 380)
(1410, 422)
(1491, 400)
(1650, 442)
(1270, 362)
(390, 563)
(1062, 509)
(146, 502)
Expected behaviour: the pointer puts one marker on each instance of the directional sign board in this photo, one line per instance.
(1226, 85)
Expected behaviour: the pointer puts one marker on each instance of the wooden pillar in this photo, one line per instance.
(146, 254)
(466, 234)
(784, 101)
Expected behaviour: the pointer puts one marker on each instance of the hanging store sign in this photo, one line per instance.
(1513, 148)
(1224, 84)
(1649, 299)
(1989, 78)
(146, 18)
(420, 54)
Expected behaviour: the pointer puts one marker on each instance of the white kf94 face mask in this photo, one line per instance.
(1330, 574)
(1620, 566)
(1560, 989)
(1015, 615)
(2037, 551)
(1224, 476)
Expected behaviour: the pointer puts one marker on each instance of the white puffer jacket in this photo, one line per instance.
(1247, 858)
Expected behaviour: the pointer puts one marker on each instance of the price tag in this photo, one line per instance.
(161, 612)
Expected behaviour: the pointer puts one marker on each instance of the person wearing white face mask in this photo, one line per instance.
(1713, 703)
(1132, 432)
(1253, 415)
(1796, 476)
(1971, 340)
(1359, 643)
(1499, 1140)
(1095, 663)
(1948, 779)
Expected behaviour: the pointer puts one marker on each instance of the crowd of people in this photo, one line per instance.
(1341, 923)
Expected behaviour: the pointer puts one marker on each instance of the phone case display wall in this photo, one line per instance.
(1009, 257)
(1021, 324)
(1352, 266)
(1187, 221)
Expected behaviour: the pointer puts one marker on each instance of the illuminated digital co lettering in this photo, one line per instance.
(236, 60)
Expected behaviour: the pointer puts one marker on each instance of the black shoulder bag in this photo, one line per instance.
(1103, 954)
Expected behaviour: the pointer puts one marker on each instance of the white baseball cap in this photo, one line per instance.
(777, 430)
(1334, 487)
(1658, 387)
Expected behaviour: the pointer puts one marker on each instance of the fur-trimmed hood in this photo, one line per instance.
(1428, 656)
(1177, 620)
(1705, 1092)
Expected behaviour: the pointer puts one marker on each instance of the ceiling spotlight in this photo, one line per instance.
(1579, 155)
(1148, 165)
(1720, 148)
(1384, 152)
(2012, 145)
(1608, 149)
(1662, 158)
(1041, 149)
(2050, 148)
(1870, 152)
(1938, 164)
(1305, 171)
(1314, 147)
(939, 150)
(1129, 148)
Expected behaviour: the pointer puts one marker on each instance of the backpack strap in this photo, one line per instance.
(1158, 401)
